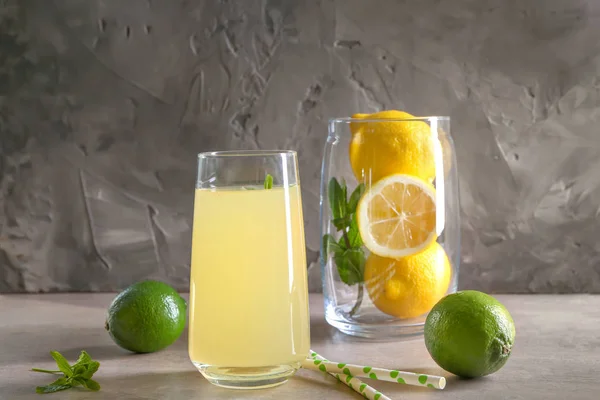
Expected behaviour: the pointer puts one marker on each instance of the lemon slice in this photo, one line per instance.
(397, 216)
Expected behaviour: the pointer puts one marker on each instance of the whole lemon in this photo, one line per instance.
(382, 148)
(470, 334)
(410, 286)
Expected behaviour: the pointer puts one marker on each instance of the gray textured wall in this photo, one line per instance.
(104, 104)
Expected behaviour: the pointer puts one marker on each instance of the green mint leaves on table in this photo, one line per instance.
(268, 181)
(78, 374)
(347, 253)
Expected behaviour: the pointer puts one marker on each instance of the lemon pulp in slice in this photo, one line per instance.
(397, 216)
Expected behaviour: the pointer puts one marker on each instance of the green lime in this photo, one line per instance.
(469, 334)
(146, 317)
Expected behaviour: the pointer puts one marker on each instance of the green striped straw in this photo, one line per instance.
(389, 375)
(352, 382)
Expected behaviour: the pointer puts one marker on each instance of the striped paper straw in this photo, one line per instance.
(352, 382)
(389, 375)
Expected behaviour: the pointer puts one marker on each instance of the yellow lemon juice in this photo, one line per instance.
(248, 289)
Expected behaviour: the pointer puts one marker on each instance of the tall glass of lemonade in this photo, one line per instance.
(249, 320)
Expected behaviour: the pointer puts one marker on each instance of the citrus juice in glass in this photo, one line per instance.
(249, 321)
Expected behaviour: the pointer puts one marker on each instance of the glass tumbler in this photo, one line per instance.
(390, 223)
(249, 320)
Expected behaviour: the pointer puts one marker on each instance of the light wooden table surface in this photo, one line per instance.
(556, 355)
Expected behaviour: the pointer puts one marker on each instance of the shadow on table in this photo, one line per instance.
(323, 381)
(111, 351)
(320, 330)
(170, 386)
(34, 347)
(167, 386)
(155, 380)
(391, 389)
(100, 353)
(454, 383)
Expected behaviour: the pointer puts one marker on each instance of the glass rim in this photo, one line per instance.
(415, 118)
(246, 153)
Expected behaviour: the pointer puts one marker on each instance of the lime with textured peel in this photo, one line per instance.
(146, 317)
(469, 334)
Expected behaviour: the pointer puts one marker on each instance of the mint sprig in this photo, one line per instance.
(347, 252)
(78, 374)
(268, 182)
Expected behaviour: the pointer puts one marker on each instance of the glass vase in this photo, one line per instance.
(390, 223)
